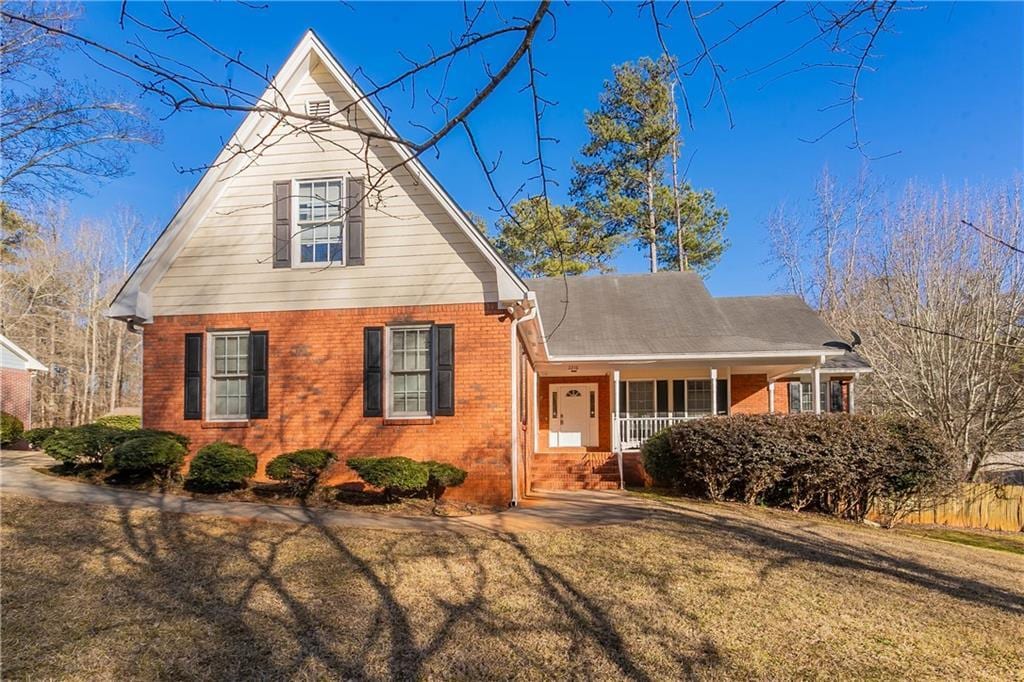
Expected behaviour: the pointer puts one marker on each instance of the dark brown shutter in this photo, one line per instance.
(794, 396)
(193, 376)
(661, 396)
(282, 224)
(678, 396)
(623, 408)
(373, 372)
(443, 354)
(354, 221)
(258, 360)
(722, 396)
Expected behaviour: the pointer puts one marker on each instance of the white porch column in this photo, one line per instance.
(616, 441)
(771, 397)
(816, 382)
(849, 394)
(714, 391)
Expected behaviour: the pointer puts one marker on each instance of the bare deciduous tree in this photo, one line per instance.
(940, 306)
(54, 289)
(55, 134)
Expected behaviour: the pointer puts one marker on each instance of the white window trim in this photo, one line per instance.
(388, 412)
(296, 241)
(210, 336)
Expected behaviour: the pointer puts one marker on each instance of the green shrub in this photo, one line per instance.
(660, 461)
(11, 429)
(125, 422)
(394, 475)
(35, 437)
(220, 466)
(83, 445)
(184, 440)
(926, 468)
(155, 455)
(300, 469)
(839, 464)
(441, 475)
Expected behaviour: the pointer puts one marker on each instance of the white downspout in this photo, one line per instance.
(515, 390)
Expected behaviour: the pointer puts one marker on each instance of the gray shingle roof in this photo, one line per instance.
(670, 313)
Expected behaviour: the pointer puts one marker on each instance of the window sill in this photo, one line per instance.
(409, 421)
(243, 424)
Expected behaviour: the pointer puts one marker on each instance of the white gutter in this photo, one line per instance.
(530, 302)
(695, 356)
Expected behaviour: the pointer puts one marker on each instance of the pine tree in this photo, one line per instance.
(628, 179)
(545, 240)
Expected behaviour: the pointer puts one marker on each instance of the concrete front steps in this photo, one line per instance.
(575, 470)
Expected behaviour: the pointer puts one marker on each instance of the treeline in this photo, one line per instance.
(58, 276)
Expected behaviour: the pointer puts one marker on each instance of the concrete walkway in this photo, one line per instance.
(541, 511)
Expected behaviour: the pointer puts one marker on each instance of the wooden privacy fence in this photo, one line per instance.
(974, 505)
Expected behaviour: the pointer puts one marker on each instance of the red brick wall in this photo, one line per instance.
(16, 393)
(749, 393)
(604, 408)
(315, 393)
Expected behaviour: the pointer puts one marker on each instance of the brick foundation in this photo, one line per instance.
(315, 391)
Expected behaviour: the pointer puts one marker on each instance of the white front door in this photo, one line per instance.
(571, 423)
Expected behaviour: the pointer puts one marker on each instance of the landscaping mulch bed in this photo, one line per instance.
(346, 497)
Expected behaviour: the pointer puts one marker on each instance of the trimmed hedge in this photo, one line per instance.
(396, 476)
(156, 455)
(125, 422)
(220, 466)
(441, 476)
(839, 463)
(35, 437)
(300, 469)
(84, 445)
(11, 429)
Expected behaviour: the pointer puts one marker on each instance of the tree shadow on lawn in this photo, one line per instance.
(275, 601)
(261, 600)
(805, 543)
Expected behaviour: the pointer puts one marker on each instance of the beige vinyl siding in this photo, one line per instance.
(415, 253)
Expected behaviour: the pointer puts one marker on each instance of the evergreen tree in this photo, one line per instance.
(628, 179)
(545, 240)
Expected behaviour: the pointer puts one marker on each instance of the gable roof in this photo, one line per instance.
(672, 314)
(14, 349)
(132, 302)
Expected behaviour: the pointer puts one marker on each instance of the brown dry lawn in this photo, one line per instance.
(695, 591)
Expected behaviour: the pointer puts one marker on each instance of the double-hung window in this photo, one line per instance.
(698, 397)
(409, 371)
(640, 397)
(229, 375)
(320, 219)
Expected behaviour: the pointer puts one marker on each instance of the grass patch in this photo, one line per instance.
(693, 591)
(972, 538)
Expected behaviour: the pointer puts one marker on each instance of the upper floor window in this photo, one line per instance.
(229, 375)
(320, 218)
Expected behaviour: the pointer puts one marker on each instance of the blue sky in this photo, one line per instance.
(946, 94)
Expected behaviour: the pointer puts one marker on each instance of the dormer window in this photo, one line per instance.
(320, 108)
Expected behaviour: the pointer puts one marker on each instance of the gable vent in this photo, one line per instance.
(320, 107)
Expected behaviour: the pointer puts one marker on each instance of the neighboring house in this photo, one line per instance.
(17, 368)
(282, 309)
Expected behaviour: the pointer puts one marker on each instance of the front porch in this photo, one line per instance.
(591, 425)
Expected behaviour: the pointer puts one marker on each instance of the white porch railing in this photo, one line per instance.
(631, 432)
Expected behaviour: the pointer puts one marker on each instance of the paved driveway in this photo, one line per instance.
(541, 511)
